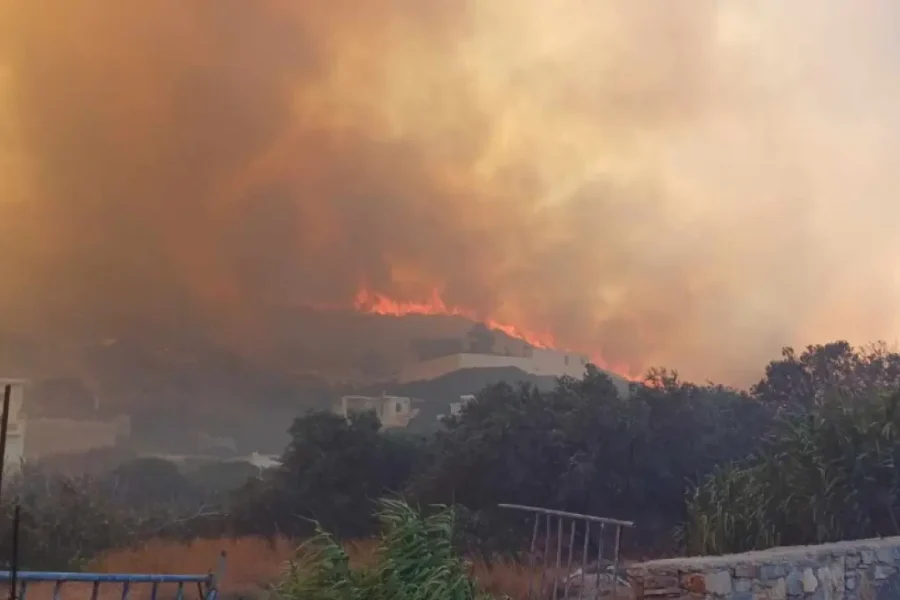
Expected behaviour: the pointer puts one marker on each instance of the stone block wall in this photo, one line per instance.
(859, 570)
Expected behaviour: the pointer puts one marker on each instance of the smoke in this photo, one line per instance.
(693, 186)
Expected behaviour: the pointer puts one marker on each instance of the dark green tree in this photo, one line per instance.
(689, 431)
(582, 447)
(826, 371)
(149, 481)
(564, 449)
(331, 473)
(828, 474)
(217, 480)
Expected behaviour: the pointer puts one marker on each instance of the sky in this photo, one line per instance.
(691, 184)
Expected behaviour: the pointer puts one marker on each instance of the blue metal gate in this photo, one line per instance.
(207, 585)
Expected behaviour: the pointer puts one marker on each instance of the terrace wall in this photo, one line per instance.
(859, 570)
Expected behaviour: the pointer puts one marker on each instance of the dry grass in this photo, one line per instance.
(252, 565)
(505, 578)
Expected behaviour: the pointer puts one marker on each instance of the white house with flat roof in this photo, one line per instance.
(539, 361)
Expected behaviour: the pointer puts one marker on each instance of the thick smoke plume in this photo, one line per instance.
(693, 184)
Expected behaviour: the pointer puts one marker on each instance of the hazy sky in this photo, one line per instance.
(693, 184)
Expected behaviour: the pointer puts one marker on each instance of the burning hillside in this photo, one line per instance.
(609, 177)
(379, 304)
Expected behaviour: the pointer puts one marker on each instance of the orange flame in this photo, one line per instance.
(379, 304)
(376, 303)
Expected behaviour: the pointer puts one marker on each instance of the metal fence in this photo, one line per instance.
(207, 585)
(577, 569)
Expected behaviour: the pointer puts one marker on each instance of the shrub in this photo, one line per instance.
(415, 561)
(830, 473)
(67, 521)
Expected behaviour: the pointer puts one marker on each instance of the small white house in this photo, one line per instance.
(456, 407)
(392, 411)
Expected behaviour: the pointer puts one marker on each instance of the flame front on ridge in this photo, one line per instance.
(380, 304)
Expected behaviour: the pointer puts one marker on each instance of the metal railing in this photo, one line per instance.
(569, 575)
(207, 584)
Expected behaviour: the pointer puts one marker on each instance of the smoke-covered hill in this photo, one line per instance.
(176, 386)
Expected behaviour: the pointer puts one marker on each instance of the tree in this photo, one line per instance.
(827, 371)
(827, 474)
(582, 447)
(689, 431)
(148, 481)
(217, 479)
(331, 472)
(68, 521)
(566, 449)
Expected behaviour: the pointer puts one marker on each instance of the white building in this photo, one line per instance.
(456, 407)
(15, 433)
(540, 362)
(392, 411)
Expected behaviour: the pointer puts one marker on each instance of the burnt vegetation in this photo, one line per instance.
(809, 454)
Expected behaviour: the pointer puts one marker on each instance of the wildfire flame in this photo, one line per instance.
(376, 303)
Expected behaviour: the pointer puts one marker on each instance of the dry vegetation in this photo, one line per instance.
(253, 564)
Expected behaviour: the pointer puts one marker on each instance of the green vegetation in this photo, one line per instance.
(415, 561)
(810, 454)
(807, 455)
(828, 474)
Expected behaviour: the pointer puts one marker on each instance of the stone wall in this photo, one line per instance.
(860, 570)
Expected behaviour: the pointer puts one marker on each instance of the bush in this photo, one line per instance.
(830, 473)
(332, 472)
(415, 561)
(67, 521)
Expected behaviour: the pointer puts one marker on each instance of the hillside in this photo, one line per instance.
(175, 386)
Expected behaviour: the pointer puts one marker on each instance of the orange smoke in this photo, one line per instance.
(620, 174)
